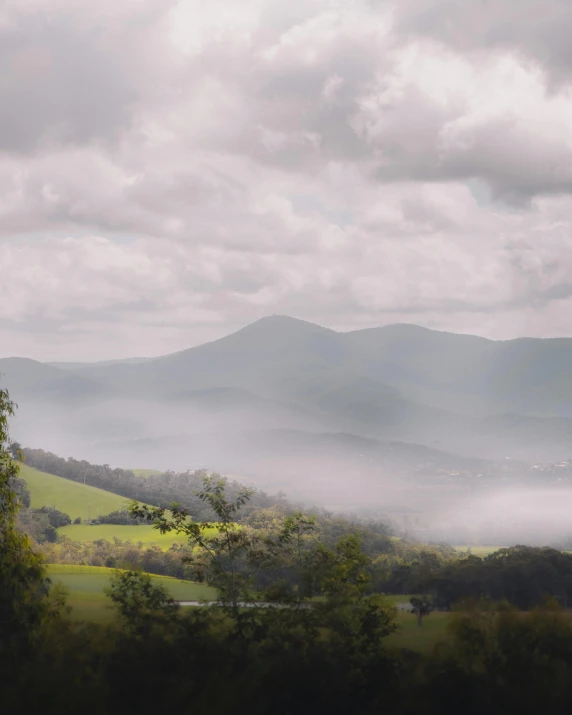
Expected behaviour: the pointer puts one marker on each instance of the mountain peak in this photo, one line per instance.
(283, 323)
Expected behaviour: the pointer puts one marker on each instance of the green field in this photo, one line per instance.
(420, 638)
(478, 550)
(144, 472)
(144, 533)
(70, 497)
(85, 586)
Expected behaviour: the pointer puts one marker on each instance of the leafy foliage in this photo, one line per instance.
(523, 575)
(26, 604)
(160, 489)
(421, 606)
(140, 602)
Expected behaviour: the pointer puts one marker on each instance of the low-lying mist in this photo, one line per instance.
(522, 515)
(429, 493)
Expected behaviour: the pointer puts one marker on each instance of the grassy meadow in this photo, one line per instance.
(144, 472)
(478, 550)
(86, 596)
(420, 638)
(86, 590)
(84, 501)
(144, 533)
(73, 498)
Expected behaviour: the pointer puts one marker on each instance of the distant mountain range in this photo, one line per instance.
(457, 393)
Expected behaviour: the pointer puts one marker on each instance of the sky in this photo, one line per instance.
(171, 171)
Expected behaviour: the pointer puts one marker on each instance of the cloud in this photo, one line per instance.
(538, 30)
(170, 171)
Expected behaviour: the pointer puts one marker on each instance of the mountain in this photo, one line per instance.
(461, 393)
(101, 363)
(280, 357)
(26, 378)
(468, 373)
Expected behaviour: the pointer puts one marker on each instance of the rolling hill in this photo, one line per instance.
(77, 500)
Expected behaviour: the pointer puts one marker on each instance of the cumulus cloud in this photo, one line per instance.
(170, 171)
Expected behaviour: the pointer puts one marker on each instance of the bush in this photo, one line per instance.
(56, 517)
(121, 516)
(50, 534)
(20, 488)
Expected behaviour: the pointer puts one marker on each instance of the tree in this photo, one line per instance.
(421, 606)
(56, 517)
(222, 545)
(140, 602)
(343, 571)
(21, 490)
(15, 450)
(27, 604)
(293, 538)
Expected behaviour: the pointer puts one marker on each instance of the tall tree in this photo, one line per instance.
(141, 602)
(222, 546)
(27, 603)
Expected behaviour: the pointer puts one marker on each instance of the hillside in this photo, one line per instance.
(77, 500)
(86, 587)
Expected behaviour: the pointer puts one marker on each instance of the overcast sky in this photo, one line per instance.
(171, 171)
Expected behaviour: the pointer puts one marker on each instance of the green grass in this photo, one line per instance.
(420, 638)
(86, 595)
(395, 600)
(146, 534)
(479, 550)
(86, 590)
(73, 498)
(144, 472)
(413, 637)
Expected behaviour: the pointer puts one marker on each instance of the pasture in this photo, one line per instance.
(478, 550)
(86, 590)
(86, 586)
(73, 498)
(144, 533)
(420, 638)
(413, 637)
(144, 472)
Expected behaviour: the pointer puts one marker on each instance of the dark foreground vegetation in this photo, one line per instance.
(319, 645)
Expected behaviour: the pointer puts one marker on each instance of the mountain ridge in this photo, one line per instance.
(469, 394)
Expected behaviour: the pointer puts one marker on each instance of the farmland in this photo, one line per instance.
(146, 534)
(423, 639)
(145, 472)
(84, 501)
(86, 595)
(86, 590)
(73, 498)
(478, 550)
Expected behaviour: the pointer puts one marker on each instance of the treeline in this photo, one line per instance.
(122, 555)
(334, 658)
(158, 489)
(522, 575)
(386, 556)
(183, 488)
